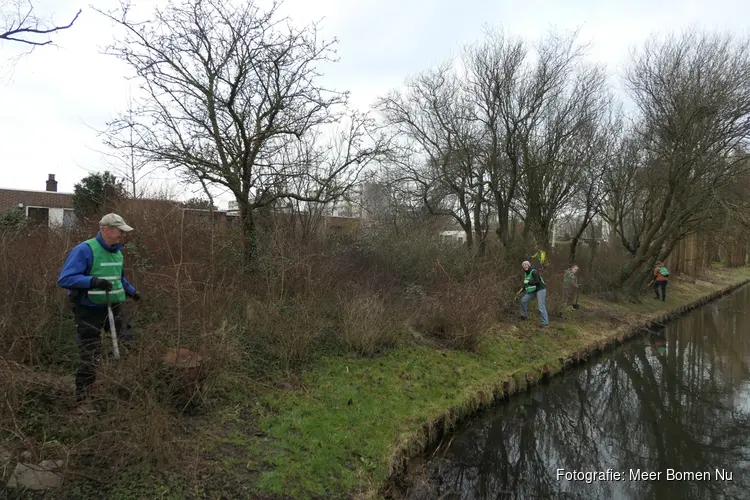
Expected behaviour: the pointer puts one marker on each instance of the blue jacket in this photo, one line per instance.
(75, 273)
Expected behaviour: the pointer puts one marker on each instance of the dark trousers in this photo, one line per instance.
(89, 322)
(663, 286)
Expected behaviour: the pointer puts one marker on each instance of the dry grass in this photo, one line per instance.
(366, 325)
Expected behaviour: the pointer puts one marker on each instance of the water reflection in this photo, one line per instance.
(676, 400)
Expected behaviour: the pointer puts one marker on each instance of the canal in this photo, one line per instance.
(665, 416)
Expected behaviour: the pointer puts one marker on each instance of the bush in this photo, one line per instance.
(12, 220)
(367, 327)
(455, 318)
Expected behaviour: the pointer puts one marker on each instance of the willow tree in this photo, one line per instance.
(536, 109)
(692, 92)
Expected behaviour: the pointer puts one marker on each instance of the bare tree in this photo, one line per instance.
(534, 119)
(131, 166)
(19, 23)
(441, 160)
(589, 196)
(227, 89)
(693, 96)
(560, 149)
(304, 212)
(494, 68)
(405, 204)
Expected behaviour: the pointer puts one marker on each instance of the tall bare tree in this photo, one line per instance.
(493, 79)
(693, 95)
(227, 89)
(130, 166)
(600, 149)
(442, 160)
(19, 23)
(535, 117)
(560, 148)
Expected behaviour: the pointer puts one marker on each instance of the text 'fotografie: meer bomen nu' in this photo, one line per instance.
(643, 475)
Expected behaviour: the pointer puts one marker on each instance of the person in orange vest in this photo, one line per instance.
(661, 278)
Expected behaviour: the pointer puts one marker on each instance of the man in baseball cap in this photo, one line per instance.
(91, 269)
(114, 220)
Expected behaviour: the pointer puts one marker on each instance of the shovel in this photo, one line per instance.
(576, 305)
(112, 330)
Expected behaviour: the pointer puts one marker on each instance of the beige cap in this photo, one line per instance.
(114, 220)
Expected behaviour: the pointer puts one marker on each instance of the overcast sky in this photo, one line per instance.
(53, 100)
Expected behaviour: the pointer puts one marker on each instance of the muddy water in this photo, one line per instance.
(665, 416)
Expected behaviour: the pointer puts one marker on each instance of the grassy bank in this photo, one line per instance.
(321, 374)
(355, 420)
(346, 424)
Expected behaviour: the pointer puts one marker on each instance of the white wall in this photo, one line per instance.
(456, 236)
(55, 217)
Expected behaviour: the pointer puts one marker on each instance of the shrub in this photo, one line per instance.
(366, 325)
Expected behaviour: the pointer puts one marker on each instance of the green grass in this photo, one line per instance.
(339, 434)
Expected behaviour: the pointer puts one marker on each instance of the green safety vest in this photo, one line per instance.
(527, 277)
(107, 266)
(568, 277)
(541, 256)
(663, 271)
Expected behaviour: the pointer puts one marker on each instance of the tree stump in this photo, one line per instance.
(183, 376)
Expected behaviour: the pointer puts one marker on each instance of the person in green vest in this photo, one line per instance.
(91, 269)
(541, 256)
(570, 285)
(534, 288)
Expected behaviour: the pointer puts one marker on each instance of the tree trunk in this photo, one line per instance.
(573, 247)
(585, 223)
(249, 233)
(592, 255)
(502, 225)
(478, 228)
(543, 236)
(482, 248)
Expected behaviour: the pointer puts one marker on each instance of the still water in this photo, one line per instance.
(665, 416)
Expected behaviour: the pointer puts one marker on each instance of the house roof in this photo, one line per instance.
(10, 198)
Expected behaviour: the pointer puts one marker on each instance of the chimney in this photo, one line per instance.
(51, 183)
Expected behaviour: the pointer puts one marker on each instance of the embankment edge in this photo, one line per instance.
(430, 435)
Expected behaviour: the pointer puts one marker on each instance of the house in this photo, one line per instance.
(168, 209)
(48, 207)
(453, 236)
(54, 209)
(565, 228)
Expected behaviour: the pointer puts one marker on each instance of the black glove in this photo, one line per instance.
(101, 284)
(136, 297)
